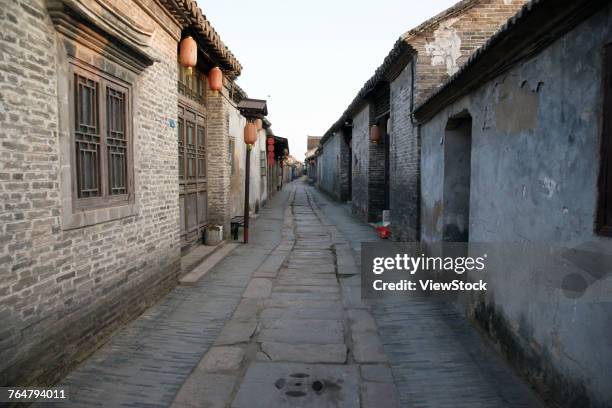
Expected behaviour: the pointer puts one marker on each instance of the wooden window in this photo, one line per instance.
(192, 86)
(604, 213)
(262, 163)
(181, 148)
(102, 161)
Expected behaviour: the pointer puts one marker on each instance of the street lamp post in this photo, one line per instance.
(247, 175)
(250, 137)
(253, 110)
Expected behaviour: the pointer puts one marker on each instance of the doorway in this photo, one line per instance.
(191, 131)
(457, 178)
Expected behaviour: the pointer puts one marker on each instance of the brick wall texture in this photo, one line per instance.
(441, 49)
(361, 156)
(63, 292)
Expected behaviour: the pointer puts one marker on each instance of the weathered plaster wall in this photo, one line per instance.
(443, 47)
(361, 157)
(63, 292)
(534, 170)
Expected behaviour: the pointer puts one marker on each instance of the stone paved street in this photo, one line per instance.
(280, 323)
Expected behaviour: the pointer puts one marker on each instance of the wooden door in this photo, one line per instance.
(192, 174)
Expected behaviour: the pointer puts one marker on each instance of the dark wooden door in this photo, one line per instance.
(192, 173)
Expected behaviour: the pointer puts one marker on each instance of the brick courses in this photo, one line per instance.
(63, 292)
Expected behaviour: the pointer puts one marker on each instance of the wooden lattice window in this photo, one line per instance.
(102, 166)
(604, 213)
(116, 141)
(201, 152)
(87, 136)
(181, 149)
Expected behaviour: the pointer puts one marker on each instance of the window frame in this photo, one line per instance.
(103, 81)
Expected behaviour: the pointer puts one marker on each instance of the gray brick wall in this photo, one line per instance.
(219, 176)
(361, 157)
(404, 161)
(63, 292)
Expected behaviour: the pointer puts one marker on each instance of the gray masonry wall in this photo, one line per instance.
(404, 161)
(441, 49)
(361, 157)
(330, 162)
(534, 173)
(64, 291)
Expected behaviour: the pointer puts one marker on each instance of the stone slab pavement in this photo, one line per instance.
(280, 322)
(147, 362)
(437, 358)
(303, 344)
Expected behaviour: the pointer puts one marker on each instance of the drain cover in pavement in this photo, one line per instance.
(268, 385)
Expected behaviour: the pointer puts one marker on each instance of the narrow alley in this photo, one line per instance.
(387, 204)
(280, 323)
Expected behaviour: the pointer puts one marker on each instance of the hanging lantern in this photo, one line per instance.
(259, 124)
(375, 134)
(270, 148)
(215, 79)
(250, 133)
(188, 54)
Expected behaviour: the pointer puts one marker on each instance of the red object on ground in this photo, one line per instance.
(383, 232)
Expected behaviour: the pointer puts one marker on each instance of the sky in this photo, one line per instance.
(309, 59)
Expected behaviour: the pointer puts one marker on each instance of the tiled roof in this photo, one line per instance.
(401, 48)
(190, 15)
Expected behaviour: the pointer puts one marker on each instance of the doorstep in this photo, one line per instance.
(196, 255)
(204, 258)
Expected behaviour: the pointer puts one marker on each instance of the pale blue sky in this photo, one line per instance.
(310, 58)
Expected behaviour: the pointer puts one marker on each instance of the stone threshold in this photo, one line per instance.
(209, 259)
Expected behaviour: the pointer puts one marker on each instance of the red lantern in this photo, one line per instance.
(250, 133)
(270, 140)
(270, 148)
(375, 134)
(215, 79)
(188, 54)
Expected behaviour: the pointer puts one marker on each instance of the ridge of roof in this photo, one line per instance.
(402, 47)
(456, 8)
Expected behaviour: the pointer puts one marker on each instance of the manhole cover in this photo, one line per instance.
(298, 385)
